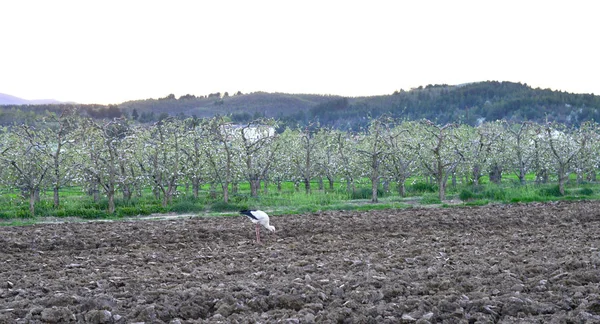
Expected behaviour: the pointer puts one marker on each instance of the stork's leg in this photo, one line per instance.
(257, 234)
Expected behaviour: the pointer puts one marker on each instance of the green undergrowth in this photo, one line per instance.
(483, 194)
(14, 209)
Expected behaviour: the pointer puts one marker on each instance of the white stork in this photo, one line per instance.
(258, 217)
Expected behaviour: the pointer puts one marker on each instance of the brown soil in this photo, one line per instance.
(508, 263)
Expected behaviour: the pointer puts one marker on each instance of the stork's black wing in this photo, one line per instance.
(248, 213)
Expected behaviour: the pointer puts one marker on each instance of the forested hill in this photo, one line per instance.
(476, 102)
(239, 106)
(469, 103)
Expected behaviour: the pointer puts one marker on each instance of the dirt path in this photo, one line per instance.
(509, 264)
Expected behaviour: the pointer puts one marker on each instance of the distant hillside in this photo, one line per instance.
(12, 100)
(475, 102)
(469, 103)
(243, 106)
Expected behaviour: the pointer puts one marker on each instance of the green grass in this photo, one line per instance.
(290, 200)
(19, 222)
(430, 199)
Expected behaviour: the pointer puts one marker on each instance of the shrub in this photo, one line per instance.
(185, 206)
(365, 193)
(466, 195)
(494, 194)
(430, 199)
(586, 192)
(421, 187)
(237, 198)
(362, 193)
(553, 191)
(22, 213)
(130, 211)
(323, 200)
(477, 189)
(6, 214)
(58, 213)
(44, 208)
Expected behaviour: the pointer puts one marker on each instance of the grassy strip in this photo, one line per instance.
(290, 200)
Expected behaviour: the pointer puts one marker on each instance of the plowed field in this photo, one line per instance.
(533, 263)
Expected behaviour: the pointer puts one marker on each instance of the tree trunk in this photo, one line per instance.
(330, 179)
(442, 188)
(57, 177)
(56, 198)
(126, 192)
(226, 192)
(156, 193)
(254, 184)
(253, 192)
(171, 191)
(168, 194)
(374, 186)
(522, 174)
(307, 185)
(32, 202)
(542, 176)
(496, 174)
(213, 190)
(401, 188)
(562, 178)
(476, 175)
(94, 191)
(165, 200)
(195, 187)
(111, 199)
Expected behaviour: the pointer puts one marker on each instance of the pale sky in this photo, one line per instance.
(113, 51)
